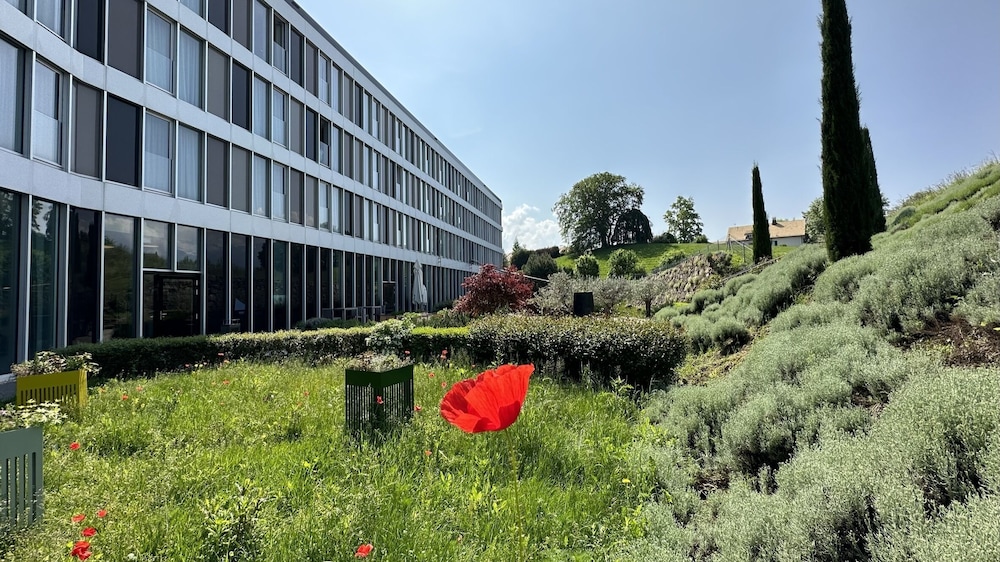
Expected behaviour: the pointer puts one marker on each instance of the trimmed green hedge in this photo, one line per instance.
(638, 350)
(144, 357)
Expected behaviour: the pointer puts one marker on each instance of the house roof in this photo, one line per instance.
(777, 229)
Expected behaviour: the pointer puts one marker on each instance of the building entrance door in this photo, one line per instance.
(174, 304)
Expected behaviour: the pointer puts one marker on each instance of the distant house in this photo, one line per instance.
(783, 233)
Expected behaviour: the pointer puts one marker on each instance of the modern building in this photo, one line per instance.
(197, 166)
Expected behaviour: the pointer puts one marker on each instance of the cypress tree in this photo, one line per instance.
(845, 199)
(761, 232)
(874, 193)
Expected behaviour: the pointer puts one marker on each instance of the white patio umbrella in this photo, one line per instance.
(419, 290)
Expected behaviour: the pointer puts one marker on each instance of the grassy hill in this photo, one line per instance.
(650, 255)
(855, 414)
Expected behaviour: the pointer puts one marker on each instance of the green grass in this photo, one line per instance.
(650, 255)
(254, 458)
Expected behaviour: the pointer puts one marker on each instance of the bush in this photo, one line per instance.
(540, 266)
(733, 285)
(703, 298)
(624, 263)
(729, 335)
(556, 296)
(670, 259)
(587, 266)
(637, 350)
(492, 290)
(665, 238)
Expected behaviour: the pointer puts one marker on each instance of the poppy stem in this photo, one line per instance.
(522, 532)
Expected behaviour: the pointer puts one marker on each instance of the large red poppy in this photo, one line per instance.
(490, 402)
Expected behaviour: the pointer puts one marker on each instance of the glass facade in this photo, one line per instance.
(174, 221)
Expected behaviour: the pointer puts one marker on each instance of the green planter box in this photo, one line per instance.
(20, 477)
(68, 387)
(378, 402)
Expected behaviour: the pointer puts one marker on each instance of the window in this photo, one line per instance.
(215, 281)
(295, 197)
(217, 175)
(295, 57)
(46, 134)
(159, 52)
(335, 88)
(279, 116)
(295, 126)
(190, 69)
(121, 156)
(279, 194)
(261, 16)
(335, 149)
(189, 163)
(324, 141)
(280, 287)
(311, 56)
(239, 266)
(218, 14)
(241, 96)
(241, 23)
(42, 275)
(194, 5)
(311, 138)
(241, 180)
(261, 172)
(125, 17)
(87, 111)
(279, 47)
(188, 248)
(90, 28)
(262, 298)
(218, 83)
(50, 13)
(156, 245)
(159, 156)
(260, 110)
(311, 189)
(119, 276)
(11, 96)
(84, 268)
(324, 79)
(324, 206)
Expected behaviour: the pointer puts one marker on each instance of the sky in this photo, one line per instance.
(679, 96)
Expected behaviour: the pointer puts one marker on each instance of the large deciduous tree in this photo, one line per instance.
(632, 227)
(846, 207)
(588, 213)
(683, 221)
(761, 228)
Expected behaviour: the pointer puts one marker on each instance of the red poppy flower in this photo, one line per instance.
(74, 446)
(124, 396)
(417, 408)
(78, 518)
(430, 375)
(444, 384)
(81, 550)
(225, 381)
(89, 532)
(363, 551)
(378, 400)
(444, 352)
(102, 513)
(490, 402)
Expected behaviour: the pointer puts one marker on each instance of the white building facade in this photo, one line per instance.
(183, 167)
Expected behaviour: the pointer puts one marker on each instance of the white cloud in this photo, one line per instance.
(523, 224)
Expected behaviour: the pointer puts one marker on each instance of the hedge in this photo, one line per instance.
(637, 350)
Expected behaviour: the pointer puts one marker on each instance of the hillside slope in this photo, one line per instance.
(851, 430)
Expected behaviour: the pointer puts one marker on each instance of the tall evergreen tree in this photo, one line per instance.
(761, 230)
(845, 194)
(874, 193)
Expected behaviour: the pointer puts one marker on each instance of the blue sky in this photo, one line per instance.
(679, 96)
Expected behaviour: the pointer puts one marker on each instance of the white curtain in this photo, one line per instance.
(158, 154)
(278, 117)
(190, 75)
(278, 192)
(189, 163)
(10, 94)
(159, 52)
(45, 127)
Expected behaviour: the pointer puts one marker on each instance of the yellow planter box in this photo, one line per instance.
(68, 387)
